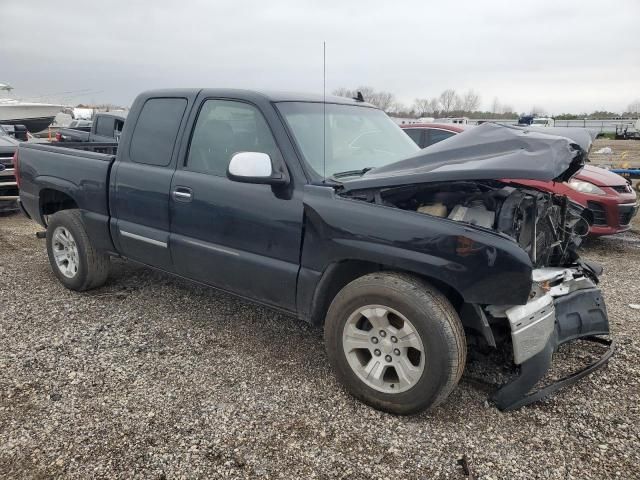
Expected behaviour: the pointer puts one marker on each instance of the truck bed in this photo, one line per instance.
(78, 170)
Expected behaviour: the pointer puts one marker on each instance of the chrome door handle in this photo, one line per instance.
(182, 194)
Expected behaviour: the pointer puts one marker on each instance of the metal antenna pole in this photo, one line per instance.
(324, 111)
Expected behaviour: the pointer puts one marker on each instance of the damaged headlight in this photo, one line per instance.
(585, 187)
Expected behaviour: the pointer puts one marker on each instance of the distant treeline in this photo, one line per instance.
(466, 104)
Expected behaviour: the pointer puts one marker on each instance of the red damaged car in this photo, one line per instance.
(609, 196)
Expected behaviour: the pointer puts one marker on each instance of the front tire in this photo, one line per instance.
(395, 342)
(73, 259)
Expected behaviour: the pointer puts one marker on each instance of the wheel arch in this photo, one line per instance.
(52, 200)
(338, 274)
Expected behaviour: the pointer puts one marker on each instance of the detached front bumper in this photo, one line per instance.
(570, 308)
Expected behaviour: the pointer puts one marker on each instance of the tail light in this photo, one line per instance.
(16, 168)
(58, 137)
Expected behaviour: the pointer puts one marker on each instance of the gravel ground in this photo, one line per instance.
(152, 377)
(625, 153)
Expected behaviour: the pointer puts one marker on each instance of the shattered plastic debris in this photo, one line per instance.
(605, 151)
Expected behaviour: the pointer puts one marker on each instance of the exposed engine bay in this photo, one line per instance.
(548, 227)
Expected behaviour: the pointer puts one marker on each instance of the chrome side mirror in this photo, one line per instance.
(254, 167)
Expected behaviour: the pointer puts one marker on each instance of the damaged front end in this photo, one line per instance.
(458, 180)
(564, 302)
(565, 305)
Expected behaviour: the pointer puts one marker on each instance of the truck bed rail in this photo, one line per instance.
(110, 148)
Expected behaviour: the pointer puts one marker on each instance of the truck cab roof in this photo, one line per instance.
(274, 96)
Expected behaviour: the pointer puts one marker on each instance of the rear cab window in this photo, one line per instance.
(156, 130)
(104, 126)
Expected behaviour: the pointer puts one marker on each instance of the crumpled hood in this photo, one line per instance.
(582, 136)
(486, 152)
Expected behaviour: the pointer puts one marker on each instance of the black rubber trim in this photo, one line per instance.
(513, 395)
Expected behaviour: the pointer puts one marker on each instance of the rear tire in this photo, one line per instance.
(375, 314)
(73, 259)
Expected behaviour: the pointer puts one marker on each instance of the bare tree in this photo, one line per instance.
(457, 103)
(634, 107)
(421, 106)
(434, 106)
(399, 107)
(383, 100)
(449, 100)
(343, 92)
(470, 101)
(495, 106)
(368, 93)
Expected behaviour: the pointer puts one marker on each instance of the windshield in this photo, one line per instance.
(357, 138)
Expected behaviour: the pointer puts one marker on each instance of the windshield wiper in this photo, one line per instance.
(351, 173)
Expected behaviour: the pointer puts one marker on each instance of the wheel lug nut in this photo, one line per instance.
(376, 352)
(394, 339)
(396, 351)
(388, 358)
(383, 333)
(374, 340)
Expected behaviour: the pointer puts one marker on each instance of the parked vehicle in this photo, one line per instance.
(34, 116)
(426, 134)
(609, 196)
(326, 210)
(19, 132)
(628, 130)
(525, 120)
(82, 125)
(543, 122)
(105, 127)
(8, 185)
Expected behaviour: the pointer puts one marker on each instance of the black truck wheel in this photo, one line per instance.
(395, 342)
(75, 262)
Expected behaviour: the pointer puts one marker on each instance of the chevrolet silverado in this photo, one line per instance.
(325, 209)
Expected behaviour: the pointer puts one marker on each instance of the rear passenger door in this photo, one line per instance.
(141, 182)
(244, 238)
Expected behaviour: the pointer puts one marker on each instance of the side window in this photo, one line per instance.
(154, 135)
(415, 134)
(439, 135)
(225, 127)
(118, 130)
(104, 126)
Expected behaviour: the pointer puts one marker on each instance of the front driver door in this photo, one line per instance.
(240, 237)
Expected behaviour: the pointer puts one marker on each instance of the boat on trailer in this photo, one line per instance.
(34, 116)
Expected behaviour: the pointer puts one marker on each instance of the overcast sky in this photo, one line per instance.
(560, 55)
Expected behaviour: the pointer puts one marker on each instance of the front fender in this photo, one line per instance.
(482, 266)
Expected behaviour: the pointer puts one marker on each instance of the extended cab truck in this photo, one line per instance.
(328, 211)
(105, 127)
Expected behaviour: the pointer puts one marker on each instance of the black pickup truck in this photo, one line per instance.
(325, 209)
(105, 127)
